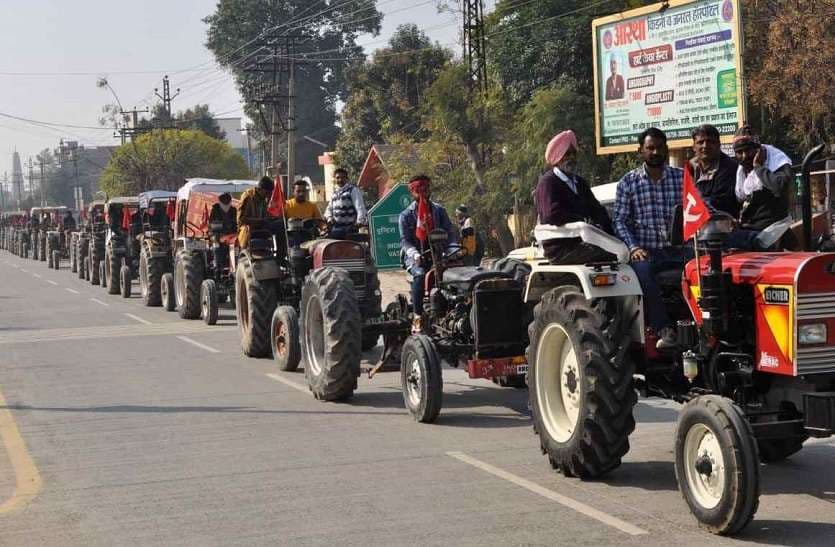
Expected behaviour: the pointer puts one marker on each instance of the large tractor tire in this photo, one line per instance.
(717, 465)
(286, 346)
(150, 279)
(42, 249)
(103, 274)
(188, 276)
(331, 334)
(254, 305)
(374, 308)
(580, 385)
(73, 258)
(56, 260)
(112, 270)
(421, 378)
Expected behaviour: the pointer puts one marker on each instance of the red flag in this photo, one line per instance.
(424, 219)
(170, 209)
(125, 218)
(696, 213)
(276, 205)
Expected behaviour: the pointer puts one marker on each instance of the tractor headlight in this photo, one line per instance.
(813, 333)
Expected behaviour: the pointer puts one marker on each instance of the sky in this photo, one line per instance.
(54, 51)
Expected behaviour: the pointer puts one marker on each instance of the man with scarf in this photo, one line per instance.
(416, 222)
(562, 196)
(222, 221)
(762, 182)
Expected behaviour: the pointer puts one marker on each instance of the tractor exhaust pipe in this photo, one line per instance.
(806, 204)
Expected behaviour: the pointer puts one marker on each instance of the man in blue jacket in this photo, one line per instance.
(416, 222)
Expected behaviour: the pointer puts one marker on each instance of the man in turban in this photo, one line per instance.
(763, 179)
(416, 222)
(562, 196)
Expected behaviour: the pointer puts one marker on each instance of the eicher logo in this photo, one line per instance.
(776, 296)
(768, 361)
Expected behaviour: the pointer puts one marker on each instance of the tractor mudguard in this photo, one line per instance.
(265, 270)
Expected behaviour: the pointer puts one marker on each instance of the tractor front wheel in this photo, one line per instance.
(166, 285)
(421, 379)
(717, 464)
(125, 281)
(208, 301)
(285, 338)
(112, 269)
(188, 274)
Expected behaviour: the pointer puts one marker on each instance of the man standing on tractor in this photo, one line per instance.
(346, 209)
(562, 197)
(416, 222)
(714, 172)
(762, 182)
(253, 212)
(299, 206)
(222, 221)
(644, 209)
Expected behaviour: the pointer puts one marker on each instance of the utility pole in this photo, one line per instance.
(31, 180)
(41, 180)
(474, 49)
(134, 130)
(291, 117)
(166, 99)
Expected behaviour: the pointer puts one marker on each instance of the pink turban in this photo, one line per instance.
(559, 145)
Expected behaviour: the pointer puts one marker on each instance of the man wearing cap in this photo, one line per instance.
(416, 222)
(762, 182)
(562, 196)
(222, 221)
(252, 213)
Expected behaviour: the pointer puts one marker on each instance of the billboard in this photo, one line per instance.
(670, 65)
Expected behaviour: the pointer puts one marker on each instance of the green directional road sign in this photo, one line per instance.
(385, 232)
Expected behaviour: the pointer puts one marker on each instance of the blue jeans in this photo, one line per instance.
(418, 274)
(742, 239)
(659, 260)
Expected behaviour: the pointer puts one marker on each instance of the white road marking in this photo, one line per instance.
(24, 270)
(137, 318)
(99, 302)
(73, 291)
(51, 282)
(286, 382)
(198, 344)
(38, 276)
(580, 507)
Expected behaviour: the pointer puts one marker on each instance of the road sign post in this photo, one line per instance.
(383, 220)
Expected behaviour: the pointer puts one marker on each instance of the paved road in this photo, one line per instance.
(124, 425)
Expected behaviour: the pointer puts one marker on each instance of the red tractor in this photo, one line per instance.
(754, 366)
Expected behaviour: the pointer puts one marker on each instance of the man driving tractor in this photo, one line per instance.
(222, 221)
(253, 213)
(416, 222)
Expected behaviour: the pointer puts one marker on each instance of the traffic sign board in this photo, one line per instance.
(384, 220)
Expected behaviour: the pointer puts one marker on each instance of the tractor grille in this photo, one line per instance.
(356, 271)
(819, 359)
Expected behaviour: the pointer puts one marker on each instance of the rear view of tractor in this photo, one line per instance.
(121, 251)
(198, 284)
(156, 258)
(91, 243)
(56, 242)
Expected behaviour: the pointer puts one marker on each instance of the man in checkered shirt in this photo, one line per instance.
(644, 208)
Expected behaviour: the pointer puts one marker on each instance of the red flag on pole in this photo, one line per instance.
(696, 213)
(125, 218)
(424, 219)
(276, 205)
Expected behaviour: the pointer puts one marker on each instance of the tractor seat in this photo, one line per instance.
(669, 279)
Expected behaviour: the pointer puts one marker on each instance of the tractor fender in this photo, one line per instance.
(262, 269)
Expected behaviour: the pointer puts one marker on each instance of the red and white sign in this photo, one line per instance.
(696, 213)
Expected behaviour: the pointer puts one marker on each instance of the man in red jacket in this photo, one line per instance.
(562, 197)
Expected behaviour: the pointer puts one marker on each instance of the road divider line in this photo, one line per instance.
(563, 500)
(28, 480)
(51, 282)
(24, 270)
(198, 344)
(38, 276)
(290, 383)
(73, 291)
(137, 318)
(99, 302)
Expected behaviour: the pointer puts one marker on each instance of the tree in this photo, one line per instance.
(385, 94)
(327, 34)
(163, 159)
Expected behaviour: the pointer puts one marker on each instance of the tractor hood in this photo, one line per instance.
(809, 272)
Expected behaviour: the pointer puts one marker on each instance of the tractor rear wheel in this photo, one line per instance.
(254, 305)
(717, 465)
(421, 378)
(102, 274)
(125, 281)
(150, 278)
(208, 301)
(580, 386)
(166, 287)
(73, 258)
(331, 334)
(42, 249)
(56, 260)
(112, 268)
(188, 275)
(284, 338)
